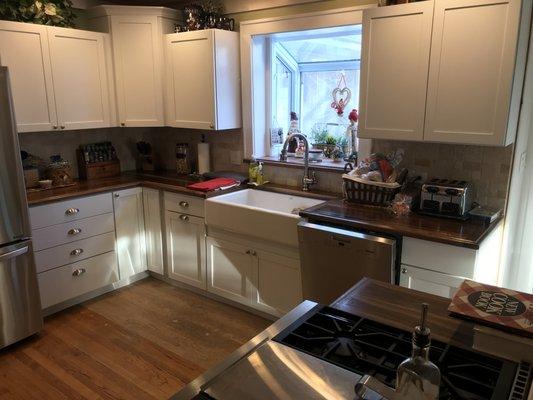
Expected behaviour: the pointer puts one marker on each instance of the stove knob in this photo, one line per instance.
(432, 189)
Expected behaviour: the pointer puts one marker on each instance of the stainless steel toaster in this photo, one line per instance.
(446, 197)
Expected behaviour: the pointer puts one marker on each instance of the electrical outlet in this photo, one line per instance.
(235, 157)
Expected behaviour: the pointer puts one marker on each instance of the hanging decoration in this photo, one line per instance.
(341, 96)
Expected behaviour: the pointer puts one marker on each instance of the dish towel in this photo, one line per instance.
(214, 184)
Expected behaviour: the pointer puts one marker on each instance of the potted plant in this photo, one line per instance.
(43, 12)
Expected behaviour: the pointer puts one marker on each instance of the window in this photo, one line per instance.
(306, 67)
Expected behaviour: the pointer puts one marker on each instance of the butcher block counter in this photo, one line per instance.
(164, 180)
(469, 233)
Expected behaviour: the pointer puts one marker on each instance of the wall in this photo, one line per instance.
(65, 143)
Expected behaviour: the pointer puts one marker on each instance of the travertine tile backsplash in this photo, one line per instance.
(488, 168)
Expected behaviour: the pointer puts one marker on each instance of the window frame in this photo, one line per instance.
(253, 104)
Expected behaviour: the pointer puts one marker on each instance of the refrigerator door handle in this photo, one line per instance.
(14, 253)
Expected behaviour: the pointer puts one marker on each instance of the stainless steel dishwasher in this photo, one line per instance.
(334, 259)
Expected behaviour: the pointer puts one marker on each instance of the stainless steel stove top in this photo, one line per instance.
(317, 352)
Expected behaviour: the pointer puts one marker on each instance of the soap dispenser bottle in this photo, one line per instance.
(417, 377)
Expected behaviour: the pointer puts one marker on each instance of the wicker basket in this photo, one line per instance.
(368, 193)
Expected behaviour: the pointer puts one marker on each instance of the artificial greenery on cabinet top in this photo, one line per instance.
(43, 12)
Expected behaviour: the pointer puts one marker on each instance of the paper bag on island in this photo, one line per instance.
(505, 309)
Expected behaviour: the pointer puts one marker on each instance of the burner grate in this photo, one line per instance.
(368, 347)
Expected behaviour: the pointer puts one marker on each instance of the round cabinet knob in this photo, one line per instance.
(184, 217)
(116, 195)
(404, 270)
(62, 127)
(74, 231)
(78, 272)
(54, 126)
(76, 252)
(251, 252)
(184, 204)
(212, 126)
(122, 124)
(72, 211)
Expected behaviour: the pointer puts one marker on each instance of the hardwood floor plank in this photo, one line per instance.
(144, 341)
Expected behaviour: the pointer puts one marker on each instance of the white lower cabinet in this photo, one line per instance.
(186, 248)
(230, 269)
(278, 283)
(67, 282)
(129, 227)
(153, 230)
(242, 272)
(429, 281)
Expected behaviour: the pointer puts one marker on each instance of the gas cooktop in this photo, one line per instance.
(368, 347)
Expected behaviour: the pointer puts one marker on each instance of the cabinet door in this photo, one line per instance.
(394, 68)
(186, 249)
(471, 70)
(153, 231)
(429, 281)
(81, 81)
(138, 52)
(24, 50)
(190, 80)
(129, 226)
(230, 269)
(278, 283)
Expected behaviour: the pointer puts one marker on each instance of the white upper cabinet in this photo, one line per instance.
(60, 77)
(473, 53)
(24, 50)
(444, 71)
(203, 87)
(137, 39)
(396, 42)
(81, 81)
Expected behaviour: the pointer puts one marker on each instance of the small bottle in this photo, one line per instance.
(260, 177)
(253, 170)
(417, 378)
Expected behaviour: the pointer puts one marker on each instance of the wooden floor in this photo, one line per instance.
(145, 341)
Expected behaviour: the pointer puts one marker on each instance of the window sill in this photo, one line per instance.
(324, 165)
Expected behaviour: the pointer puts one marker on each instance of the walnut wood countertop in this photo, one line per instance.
(400, 307)
(468, 233)
(167, 181)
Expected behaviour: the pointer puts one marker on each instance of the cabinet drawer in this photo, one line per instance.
(184, 204)
(429, 281)
(452, 260)
(70, 210)
(75, 251)
(69, 281)
(56, 235)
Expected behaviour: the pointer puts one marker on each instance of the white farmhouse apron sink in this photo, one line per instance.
(257, 213)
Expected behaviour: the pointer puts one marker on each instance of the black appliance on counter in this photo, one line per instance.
(446, 198)
(368, 347)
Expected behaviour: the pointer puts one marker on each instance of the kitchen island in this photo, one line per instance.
(282, 362)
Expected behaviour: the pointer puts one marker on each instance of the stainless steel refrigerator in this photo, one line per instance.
(20, 304)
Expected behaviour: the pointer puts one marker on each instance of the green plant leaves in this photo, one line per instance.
(44, 12)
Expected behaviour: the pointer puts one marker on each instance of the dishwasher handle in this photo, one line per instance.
(345, 235)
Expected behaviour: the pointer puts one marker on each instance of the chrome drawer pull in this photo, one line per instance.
(78, 272)
(74, 231)
(184, 204)
(184, 217)
(76, 252)
(72, 211)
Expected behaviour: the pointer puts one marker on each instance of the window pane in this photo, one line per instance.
(282, 101)
(316, 98)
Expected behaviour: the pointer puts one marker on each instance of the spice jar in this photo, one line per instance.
(182, 158)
